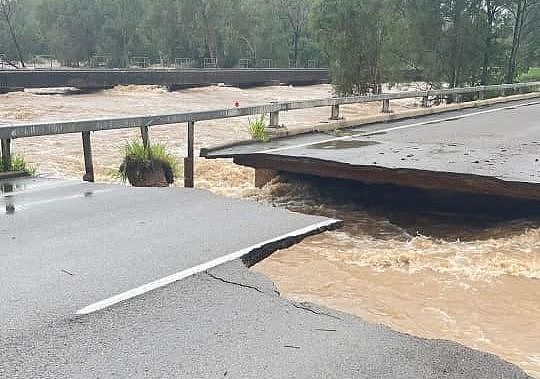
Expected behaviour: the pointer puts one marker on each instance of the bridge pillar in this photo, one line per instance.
(88, 162)
(6, 154)
(189, 162)
(386, 106)
(335, 112)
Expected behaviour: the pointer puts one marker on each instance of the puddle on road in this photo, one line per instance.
(342, 144)
(10, 187)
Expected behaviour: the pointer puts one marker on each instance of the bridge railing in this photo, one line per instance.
(13, 131)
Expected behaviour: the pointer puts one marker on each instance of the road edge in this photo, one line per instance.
(278, 133)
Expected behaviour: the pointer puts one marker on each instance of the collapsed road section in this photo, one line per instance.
(491, 151)
(112, 281)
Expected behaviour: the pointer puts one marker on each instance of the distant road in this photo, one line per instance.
(173, 78)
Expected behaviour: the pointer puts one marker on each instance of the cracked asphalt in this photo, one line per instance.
(64, 245)
(231, 322)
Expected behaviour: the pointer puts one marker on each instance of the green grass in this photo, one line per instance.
(136, 153)
(19, 164)
(533, 75)
(257, 129)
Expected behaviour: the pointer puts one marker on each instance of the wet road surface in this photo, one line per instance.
(67, 244)
(486, 150)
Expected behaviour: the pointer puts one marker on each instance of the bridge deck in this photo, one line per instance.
(493, 150)
(172, 78)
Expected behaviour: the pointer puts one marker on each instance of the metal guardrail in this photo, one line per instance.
(13, 131)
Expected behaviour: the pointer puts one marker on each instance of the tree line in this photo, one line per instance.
(363, 42)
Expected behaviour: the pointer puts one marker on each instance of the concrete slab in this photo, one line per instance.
(493, 150)
(65, 246)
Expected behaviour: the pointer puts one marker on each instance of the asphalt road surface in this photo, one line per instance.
(500, 142)
(65, 245)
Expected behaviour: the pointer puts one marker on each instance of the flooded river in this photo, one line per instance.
(428, 272)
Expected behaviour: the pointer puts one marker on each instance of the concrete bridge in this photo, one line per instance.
(174, 79)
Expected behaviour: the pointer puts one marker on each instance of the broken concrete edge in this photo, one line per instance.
(404, 177)
(13, 175)
(278, 133)
(263, 251)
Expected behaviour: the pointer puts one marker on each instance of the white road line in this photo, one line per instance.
(196, 269)
(364, 134)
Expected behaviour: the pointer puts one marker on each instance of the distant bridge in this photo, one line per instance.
(172, 78)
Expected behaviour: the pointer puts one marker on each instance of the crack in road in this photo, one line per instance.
(306, 308)
(234, 283)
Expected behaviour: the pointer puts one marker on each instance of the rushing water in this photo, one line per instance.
(437, 273)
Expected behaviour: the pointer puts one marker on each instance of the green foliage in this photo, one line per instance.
(354, 35)
(364, 42)
(257, 129)
(533, 75)
(18, 163)
(137, 156)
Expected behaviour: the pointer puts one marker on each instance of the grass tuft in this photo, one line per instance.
(257, 129)
(137, 155)
(18, 163)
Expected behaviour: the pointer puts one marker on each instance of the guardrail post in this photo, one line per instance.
(334, 115)
(88, 162)
(189, 162)
(274, 120)
(145, 136)
(6, 154)
(386, 106)
(425, 102)
(481, 94)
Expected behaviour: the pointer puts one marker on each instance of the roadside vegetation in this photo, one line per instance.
(533, 75)
(364, 42)
(257, 129)
(19, 164)
(148, 166)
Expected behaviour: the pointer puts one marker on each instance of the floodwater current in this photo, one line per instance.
(435, 273)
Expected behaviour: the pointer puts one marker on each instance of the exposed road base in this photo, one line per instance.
(429, 180)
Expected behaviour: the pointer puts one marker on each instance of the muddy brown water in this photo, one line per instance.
(469, 278)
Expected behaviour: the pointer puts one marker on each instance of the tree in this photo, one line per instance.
(523, 9)
(295, 14)
(354, 35)
(70, 28)
(7, 11)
